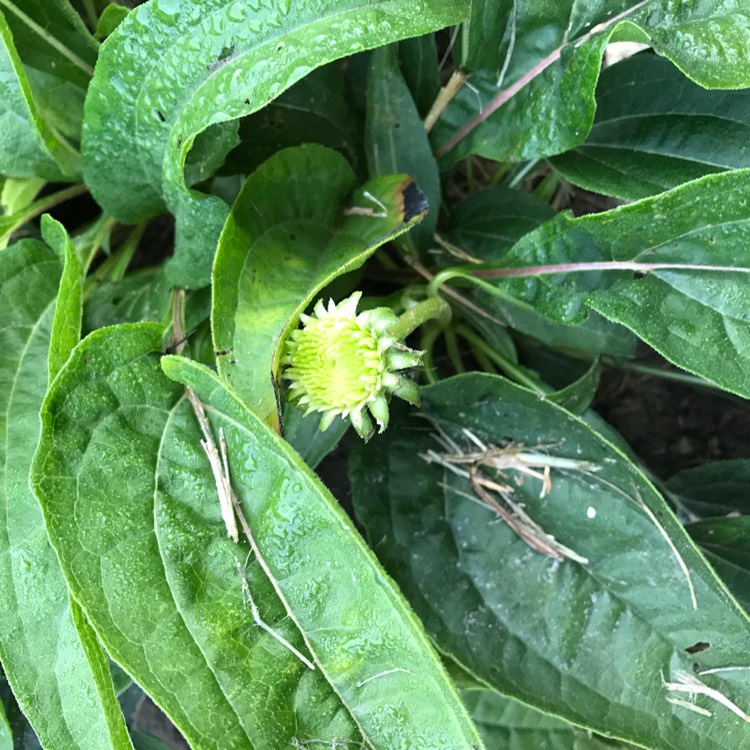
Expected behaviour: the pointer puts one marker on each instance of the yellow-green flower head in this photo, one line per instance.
(344, 363)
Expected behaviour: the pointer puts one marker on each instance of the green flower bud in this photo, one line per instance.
(344, 363)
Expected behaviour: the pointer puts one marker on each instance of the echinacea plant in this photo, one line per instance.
(513, 564)
(344, 363)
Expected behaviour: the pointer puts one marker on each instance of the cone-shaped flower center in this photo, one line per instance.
(337, 362)
(341, 363)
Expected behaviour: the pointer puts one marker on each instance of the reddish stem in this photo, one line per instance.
(525, 79)
(612, 265)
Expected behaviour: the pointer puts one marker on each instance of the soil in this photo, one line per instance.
(672, 426)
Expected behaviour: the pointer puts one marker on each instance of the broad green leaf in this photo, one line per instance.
(174, 67)
(724, 541)
(357, 626)
(395, 138)
(28, 147)
(6, 738)
(558, 47)
(292, 230)
(142, 296)
(578, 395)
(715, 489)
(418, 59)
(21, 731)
(148, 558)
(696, 318)
(66, 326)
(111, 17)
(485, 227)
(506, 724)
(654, 129)
(592, 642)
(59, 676)
(314, 110)
(486, 224)
(51, 37)
(146, 553)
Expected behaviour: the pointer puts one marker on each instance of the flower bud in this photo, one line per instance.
(344, 363)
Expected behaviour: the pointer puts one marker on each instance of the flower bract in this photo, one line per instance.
(344, 363)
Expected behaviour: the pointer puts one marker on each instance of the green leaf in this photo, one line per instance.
(66, 326)
(506, 724)
(147, 742)
(418, 60)
(486, 34)
(142, 296)
(715, 489)
(578, 395)
(146, 552)
(305, 436)
(291, 231)
(21, 731)
(149, 560)
(214, 65)
(696, 318)
(591, 642)
(724, 541)
(59, 676)
(363, 618)
(654, 130)
(546, 62)
(52, 38)
(395, 138)
(112, 16)
(485, 226)
(6, 738)
(315, 110)
(28, 147)
(17, 194)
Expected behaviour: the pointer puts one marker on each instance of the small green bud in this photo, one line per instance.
(344, 363)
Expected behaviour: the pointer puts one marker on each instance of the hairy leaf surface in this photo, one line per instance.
(28, 146)
(654, 129)
(58, 674)
(591, 642)
(174, 67)
(193, 642)
(696, 317)
(293, 229)
(395, 138)
(510, 42)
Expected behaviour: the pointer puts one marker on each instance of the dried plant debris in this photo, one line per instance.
(496, 491)
(693, 687)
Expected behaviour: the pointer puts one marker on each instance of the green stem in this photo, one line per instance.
(482, 360)
(44, 34)
(659, 372)
(451, 345)
(511, 369)
(470, 174)
(104, 226)
(88, 6)
(426, 344)
(433, 308)
(33, 210)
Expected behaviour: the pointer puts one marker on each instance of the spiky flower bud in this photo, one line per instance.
(344, 363)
